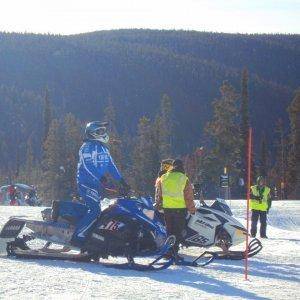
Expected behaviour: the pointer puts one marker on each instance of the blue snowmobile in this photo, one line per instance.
(128, 228)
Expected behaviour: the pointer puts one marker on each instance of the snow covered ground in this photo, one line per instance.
(274, 273)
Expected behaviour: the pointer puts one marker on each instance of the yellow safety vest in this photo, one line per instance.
(173, 184)
(257, 204)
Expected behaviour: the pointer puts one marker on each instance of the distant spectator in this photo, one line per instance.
(12, 194)
(260, 204)
(31, 198)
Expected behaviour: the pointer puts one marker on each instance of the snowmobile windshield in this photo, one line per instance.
(147, 201)
(222, 206)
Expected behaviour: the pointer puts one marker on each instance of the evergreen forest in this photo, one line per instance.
(166, 94)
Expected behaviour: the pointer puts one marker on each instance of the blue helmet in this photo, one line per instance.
(97, 130)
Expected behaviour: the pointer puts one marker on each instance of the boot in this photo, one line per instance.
(253, 232)
(263, 236)
(55, 210)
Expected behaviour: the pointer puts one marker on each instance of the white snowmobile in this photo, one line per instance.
(215, 226)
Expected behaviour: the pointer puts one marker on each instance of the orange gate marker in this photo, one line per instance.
(249, 163)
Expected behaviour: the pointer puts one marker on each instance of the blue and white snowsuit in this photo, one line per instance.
(94, 162)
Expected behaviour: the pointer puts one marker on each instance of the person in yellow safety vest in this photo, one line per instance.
(174, 194)
(260, 203)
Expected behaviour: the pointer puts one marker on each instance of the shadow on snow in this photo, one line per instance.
(184, 276)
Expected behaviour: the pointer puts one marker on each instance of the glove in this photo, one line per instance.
(124, 188)
(158, 207)
(192, 211)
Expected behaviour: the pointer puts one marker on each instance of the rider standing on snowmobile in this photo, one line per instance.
(174, 194)
(94, 162)
(260, 204)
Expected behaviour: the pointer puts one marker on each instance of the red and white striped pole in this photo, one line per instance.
(249, 165)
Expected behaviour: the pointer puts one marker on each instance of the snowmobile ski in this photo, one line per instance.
(208, 258)
(130, 265)
(254, 247)
(155, 265)
(19, 249)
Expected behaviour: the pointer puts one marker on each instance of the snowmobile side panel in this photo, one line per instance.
(60, 233)
(12, 228)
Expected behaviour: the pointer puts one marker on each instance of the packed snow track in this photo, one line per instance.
(274, 272)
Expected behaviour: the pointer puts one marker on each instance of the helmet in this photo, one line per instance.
(178, 165)
(96, 130)
(260, 179)
(166, 164)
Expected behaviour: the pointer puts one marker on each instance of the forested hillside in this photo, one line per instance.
(133, 69)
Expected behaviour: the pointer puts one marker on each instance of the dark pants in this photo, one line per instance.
(262, 215)
(175, 223)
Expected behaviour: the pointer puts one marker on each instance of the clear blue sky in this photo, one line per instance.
(75, 16)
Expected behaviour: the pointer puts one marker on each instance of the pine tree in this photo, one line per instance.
(244, 122)
(263, 166)
(164, 127)
(47, 115)
(115, 143)
(30, 171)
(223, 131)
(294, 154)
(29, 164)
(73, 141)
(194, 165)
(279, 171)
(145, 158)
(4, 166)
(54, 184)
(127, 148)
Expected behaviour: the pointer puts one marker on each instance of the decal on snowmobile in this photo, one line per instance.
(92, 193)
(98, 237)
(197, 239)
(112, 225)
(12, 228)
(197, 223)
(201, 222)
